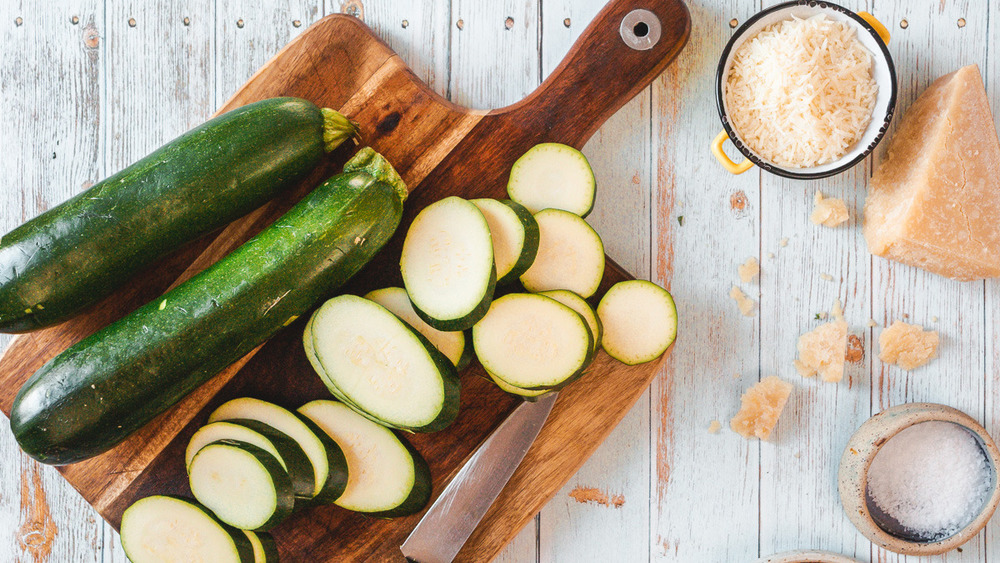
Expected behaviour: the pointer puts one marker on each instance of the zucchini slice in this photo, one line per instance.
(165, 529)
(640, 321)
(386, 370)
(447, 264)
(288, 452)
(582, 308)
(454, 345)
(242, 484)
(570, 255)
(515, 237)
(553, 176)
(264, 548)
(532, 341)
(388, 477)
(528, 394)
(327, 460)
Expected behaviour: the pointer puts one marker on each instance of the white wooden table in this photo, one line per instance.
(89, 86)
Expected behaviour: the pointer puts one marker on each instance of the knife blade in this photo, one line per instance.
(449, 522)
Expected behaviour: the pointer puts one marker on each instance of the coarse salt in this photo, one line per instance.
(932, 478)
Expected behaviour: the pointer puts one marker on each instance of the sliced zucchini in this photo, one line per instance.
(388, 477)
(532, 341)
(530, 394)
(582, 308)
(386, 370)
(164, 529)
(454, 345)
(264, 548)
(553, 176)
(243, 485)
(288, 452)
(515, 237)
(327, 460)
(640, 321)
(447, 264)
(570, 255)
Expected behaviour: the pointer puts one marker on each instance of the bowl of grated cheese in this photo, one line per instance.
(805, 90)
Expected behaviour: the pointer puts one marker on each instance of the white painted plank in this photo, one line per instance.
(799, 503)
(250, 32)
(494, 55)
(420, 32)
(991, 73)
(495, 62)
(50, 89)
(160, 81)
(703, 486)
(902, 292)
(571, 529)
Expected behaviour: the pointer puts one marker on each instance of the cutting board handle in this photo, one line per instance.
(623, 49)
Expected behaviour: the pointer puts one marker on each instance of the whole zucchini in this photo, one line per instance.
(80, 251)
(100, 390)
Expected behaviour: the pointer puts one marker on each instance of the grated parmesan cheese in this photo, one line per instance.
(800, 93)
(822, 351)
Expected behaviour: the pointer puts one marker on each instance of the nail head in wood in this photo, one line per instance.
(961, 22)
(733, 23)
(460, 24)
(296, 23)
(18, 21)
(131, 22)
(406, 24)
(187, 21)
(75, 20)
(239, 23)
(508, 23)
(567, 22)
(904, 24)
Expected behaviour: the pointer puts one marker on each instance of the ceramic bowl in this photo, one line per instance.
(861, 450)
(872, 34)
(807, 556)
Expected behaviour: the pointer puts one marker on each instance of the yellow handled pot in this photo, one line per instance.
(746, 164)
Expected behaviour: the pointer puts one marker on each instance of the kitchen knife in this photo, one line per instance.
(450, 521)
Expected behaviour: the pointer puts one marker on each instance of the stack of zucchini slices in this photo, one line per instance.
(255, 463)
(393, 355)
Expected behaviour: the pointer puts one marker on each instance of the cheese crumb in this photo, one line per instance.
(748, 270)
(933, 319)
(829, 212)
(745, 304)
(822, 351)
(783, 242)
(872, 323)
(760, 408)
(714, 426)
(838, 310)
(825, 276)
(770, 255)
(908, 346)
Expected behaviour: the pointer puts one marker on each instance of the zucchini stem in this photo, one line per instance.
(367, 160)
(337, 128)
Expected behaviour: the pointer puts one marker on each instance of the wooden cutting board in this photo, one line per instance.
(439, 149)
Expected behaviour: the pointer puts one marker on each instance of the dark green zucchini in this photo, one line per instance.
(79, 252)
(100, 390)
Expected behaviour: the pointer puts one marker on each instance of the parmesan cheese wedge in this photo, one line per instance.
(934, 202)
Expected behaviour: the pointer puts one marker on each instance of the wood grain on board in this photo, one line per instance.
(439, 149)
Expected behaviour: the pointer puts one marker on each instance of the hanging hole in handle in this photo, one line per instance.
(640, 30)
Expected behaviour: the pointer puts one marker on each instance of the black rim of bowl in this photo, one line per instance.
(773, 168)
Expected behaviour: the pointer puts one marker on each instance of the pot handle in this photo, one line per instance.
(879, 28)
(724, 160)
